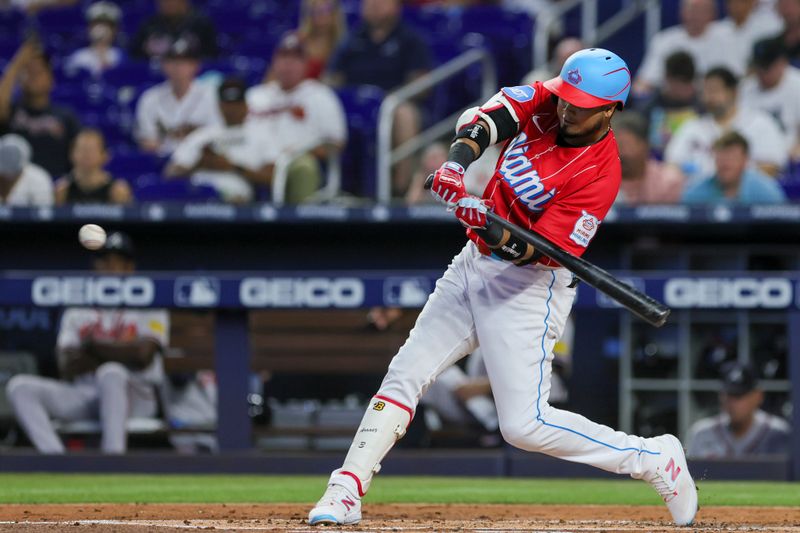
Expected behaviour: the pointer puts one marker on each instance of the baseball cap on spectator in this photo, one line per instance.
(185, 47)
(104, 12)
(291, 43)
(118, 243)
(232, 90)
(768, 51)
(11, 161)
(738, 379)
(20, 142)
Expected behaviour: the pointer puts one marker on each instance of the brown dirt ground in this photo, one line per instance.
(162, 518)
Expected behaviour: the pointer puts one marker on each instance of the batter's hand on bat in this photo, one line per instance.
(471, 211)
(447, 185)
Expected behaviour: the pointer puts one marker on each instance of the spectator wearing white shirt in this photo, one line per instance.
(707, 43)
(103, 20)
(774, 87)
(301, 113)
(746, 23)
(239, 155)
(168, 112)
(22, 183)
(691, 147)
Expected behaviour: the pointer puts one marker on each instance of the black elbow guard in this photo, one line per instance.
(506, 125)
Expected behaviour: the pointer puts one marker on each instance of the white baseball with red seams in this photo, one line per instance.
(92, 236)
(516, 315)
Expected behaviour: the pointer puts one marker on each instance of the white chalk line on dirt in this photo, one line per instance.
(501, 527)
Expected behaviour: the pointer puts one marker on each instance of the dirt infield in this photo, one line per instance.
(158, 518)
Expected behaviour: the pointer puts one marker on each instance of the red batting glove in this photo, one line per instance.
(448, 184)
(471, 211)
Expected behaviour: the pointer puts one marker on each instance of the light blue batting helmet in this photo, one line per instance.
(592, 78)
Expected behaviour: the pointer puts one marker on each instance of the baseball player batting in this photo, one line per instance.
(558, 175)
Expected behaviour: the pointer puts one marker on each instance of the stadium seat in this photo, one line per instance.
(132, 74)
(138, 425)
(361, 105)
(258, 44)
(61, 28)
(12, 22)
(130, 165)
(153, 188)
(435, 22)
(508, 35)
(91, 98)
(249, 68)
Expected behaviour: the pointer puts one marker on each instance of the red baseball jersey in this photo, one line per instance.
(558, 191)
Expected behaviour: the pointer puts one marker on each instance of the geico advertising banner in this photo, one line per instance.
(709, 292)
(259, 290)
(350, 290)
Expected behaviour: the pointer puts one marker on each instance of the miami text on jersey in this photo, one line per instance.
(518, 172)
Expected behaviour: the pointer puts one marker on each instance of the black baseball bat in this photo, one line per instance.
(649, 309)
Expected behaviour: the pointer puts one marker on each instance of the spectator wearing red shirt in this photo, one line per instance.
(322, 28)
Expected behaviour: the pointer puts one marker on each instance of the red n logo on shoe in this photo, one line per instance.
(348, 502)
(675, 469)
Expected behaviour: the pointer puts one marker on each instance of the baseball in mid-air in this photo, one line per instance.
(92, 236)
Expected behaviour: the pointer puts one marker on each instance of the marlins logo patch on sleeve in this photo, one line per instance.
(522, 93)
(584, 230)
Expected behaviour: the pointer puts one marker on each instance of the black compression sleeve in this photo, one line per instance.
(462, 154)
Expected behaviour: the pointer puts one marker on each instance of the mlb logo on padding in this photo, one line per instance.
(201, 291)
(406, 292)
(522, 93)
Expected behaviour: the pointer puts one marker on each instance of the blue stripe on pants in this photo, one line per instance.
(541, 378)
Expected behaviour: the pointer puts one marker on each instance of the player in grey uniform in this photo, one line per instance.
(462, 396)
(742, 428)
(110, 363)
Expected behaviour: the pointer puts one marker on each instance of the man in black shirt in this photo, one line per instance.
(50, 129)
(383, 51)
(175, 20)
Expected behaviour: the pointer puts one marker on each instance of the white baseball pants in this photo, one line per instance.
(516, 315)
(110, 394)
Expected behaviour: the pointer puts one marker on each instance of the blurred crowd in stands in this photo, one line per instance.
(211, 100)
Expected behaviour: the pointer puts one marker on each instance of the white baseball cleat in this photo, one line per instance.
(671, 478)
(340, 505)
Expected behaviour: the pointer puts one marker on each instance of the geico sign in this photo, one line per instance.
(301, 292)
(739, 293)
(112, 291)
